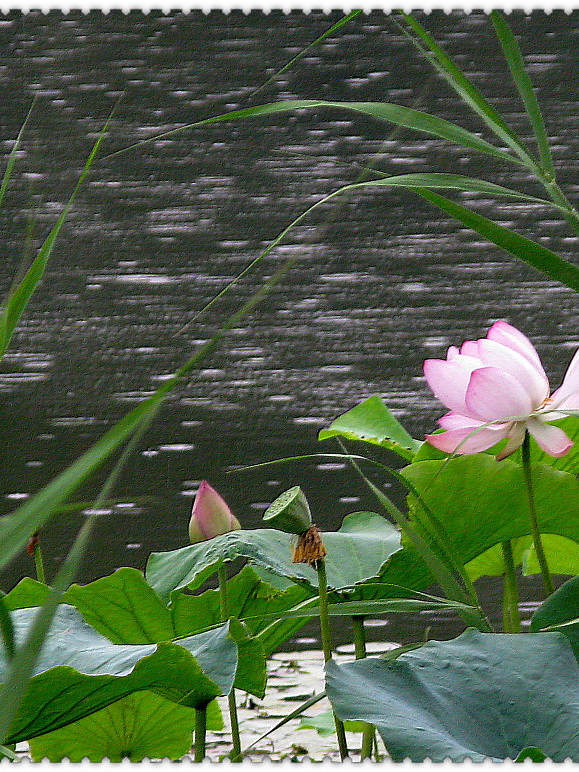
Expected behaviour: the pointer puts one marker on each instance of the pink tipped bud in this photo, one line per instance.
(210, 516)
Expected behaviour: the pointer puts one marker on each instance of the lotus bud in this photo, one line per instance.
(290, 512)
(210, 516)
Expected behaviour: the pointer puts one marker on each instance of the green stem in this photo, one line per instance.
(200, 732)
(547, 580)
(327, 645)
(511, 592)
(360, 649)
(40, 575)
(235, 755)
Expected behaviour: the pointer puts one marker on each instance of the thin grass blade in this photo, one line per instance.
(28, 518)
(529, 252)
(7, 630)
(294, 714)
(523, 83)
(382, 111)
(12, 156)
(334, 28)
(8, 753)
(20, 296)
(467, 91)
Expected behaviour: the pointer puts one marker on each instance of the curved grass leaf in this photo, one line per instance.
(334, 28)
(454, 182)
(16, 528)
(382, 111)
(560, 612)
(12, 157)
(466, 90)
(372, 422)
(21, 294)
(480, 696)
(357, 552)
(80, 672)
(140, 726)
(523, 83)
(529, 252)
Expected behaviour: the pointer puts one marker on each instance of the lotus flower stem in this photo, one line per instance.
(360, 649)
(200, 732)
(320, 566)
(224, 608)
(511, 615)
(35, 550)
(547, 580)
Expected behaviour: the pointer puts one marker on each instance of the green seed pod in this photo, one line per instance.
(290, 512)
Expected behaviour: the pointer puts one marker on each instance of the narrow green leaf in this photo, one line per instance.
(294, 714)
(523, 83)
(334, 28)
(367, 608)
(6, 630)
(16, 528)
(12, 156)
(455, 182)
(8, 753)
(20, 296)
(559, 612)
(467, 91)
(529, 252)
(382, 111)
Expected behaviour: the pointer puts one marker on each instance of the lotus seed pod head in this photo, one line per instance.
(210, 516)
(290, 512)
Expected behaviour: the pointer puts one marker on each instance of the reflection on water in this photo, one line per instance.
(382, 281)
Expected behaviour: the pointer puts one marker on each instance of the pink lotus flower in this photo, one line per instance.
(500, 379)
(210, 516)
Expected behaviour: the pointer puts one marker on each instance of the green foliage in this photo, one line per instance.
(142, 725)
(535, 754)
(124, 608)
(80, 672)
(561, 612)
(248, 596)
(482, 502)
(562, 556)
(372, 422)
(522, 689)
(357, 552)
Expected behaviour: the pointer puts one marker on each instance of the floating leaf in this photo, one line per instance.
(372, 422)
(481, 696)
(357, 552)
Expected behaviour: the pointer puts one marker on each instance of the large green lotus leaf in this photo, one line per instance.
(562, 556)
(357, 552)
(79, 671)
(482, 502)
(480, 696)
(568, 463)
(127, 610)
(142, 725)
(372, 422)
(248, 596)
(26, 594)
(561, 608)
(123, 607)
